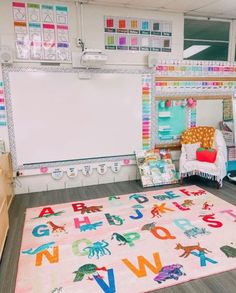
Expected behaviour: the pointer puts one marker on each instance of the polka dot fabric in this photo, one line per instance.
(202, 134)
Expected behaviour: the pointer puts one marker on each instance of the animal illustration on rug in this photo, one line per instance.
(189, 249)
(87, 269)
(49, 215)
(187, 203)
(207, 206)
(88, 227)
(112, 197)
(196, 231)
(199, 192)
(160, 197)
(32, 251)
(169, 272)
(91, 209)
(155, 211)
(229, 251)
(148, 227)
(56, 228)
(206, 215)
(98, 249)
(57, 290)
(120, 238)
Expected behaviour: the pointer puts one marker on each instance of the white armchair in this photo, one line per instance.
(214, 171)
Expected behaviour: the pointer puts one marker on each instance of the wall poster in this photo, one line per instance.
(135, 34)
(41, 31)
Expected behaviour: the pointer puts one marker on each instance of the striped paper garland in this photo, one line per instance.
(146, 105)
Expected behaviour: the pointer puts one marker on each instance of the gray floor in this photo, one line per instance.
(224, 282)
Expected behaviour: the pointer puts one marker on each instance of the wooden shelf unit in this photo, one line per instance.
(6, 195)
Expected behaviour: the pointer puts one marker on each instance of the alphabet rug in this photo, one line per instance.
(129, 243)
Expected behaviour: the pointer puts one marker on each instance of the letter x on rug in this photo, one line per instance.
(129, 243)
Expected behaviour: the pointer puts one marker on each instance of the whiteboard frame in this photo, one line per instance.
(6, 72)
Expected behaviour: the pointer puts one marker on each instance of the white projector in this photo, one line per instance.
(93, 58)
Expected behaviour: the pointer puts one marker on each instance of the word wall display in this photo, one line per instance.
(195, 68)
(135, 34)
(41, 31)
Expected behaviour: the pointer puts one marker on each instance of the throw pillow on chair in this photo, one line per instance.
(206, 155)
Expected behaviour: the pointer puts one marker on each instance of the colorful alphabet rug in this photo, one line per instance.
(130, 243)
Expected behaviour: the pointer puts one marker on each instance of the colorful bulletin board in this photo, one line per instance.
(156, 167)
(189, 81)
(173, 117)
(3, 117)
(41, 31)
(136, 34)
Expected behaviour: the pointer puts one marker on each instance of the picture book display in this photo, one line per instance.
(156, 167)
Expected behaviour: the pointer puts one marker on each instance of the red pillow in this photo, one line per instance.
(206, 155)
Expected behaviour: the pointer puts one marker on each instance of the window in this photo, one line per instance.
(206, 39)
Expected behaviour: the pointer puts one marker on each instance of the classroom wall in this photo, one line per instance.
(86, 22)
(209, 112)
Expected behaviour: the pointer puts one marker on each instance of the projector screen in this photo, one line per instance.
(58, 117)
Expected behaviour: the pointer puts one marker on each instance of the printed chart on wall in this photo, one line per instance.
(135, 34)
(3, 118)
(41, 31)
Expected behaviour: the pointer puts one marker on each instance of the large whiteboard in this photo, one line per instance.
(58, 117)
